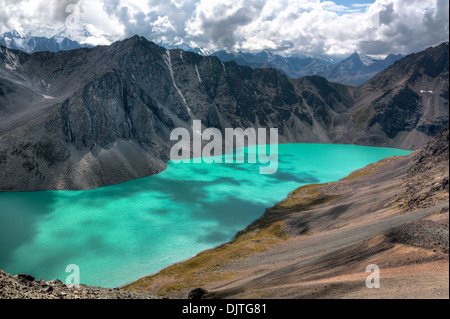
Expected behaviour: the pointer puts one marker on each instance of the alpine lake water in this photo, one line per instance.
(120, 233)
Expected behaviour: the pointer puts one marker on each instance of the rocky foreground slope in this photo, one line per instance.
(26, 287)
(319, 241)
(87, 118)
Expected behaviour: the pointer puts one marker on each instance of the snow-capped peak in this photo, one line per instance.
(18, 32)
(15, 34)
(180, 44)
(52, 39)
(84, 34)
(366, 60)
(204, 52)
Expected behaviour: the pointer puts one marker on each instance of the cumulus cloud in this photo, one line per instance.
(286, 26)
(217, 23)
(408, 26)
(19, 12)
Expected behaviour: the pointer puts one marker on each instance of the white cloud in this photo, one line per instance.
(289, 26)
(162, 25)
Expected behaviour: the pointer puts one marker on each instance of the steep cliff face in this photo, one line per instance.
(427, 180)
(92, 117)
(407, 103)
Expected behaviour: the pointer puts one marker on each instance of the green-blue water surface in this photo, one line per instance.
(119, 233)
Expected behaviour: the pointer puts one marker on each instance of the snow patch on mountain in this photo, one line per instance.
(65, 37)
(366, 60)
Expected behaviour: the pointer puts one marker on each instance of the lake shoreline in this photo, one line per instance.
(165, 163)
(158, 198)
(261, 277)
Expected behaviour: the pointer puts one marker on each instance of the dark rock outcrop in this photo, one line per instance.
(198, 293)
(428, 179)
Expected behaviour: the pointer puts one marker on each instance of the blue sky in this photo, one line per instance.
(352, 2)
(348, 7)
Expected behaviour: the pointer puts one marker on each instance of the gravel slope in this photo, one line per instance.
(26, 287)
(330, 233)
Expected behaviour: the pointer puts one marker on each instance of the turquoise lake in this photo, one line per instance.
(118, 234)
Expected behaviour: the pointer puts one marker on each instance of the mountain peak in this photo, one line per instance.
(14, 34)
(84, 34)
(364, 59)
(64, 37)
(184, 46)
(266, 55)
(134, 41)
(131, 93)
(30, 44)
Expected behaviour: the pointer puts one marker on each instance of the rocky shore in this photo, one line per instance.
(27, 287)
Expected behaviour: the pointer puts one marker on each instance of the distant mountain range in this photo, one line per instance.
(353, 70)
(53, 40)
(91, 117)
(31, 44)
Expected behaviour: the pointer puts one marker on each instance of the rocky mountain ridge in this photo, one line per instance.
(353, 70)
(87, 118)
